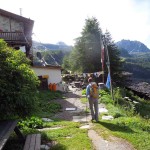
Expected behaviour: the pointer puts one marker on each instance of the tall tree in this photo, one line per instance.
(86, 54)
(115, 60)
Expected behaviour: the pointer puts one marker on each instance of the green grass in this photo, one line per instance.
(133, 129)
(48, 105)
(128, 123)
(84, 100)
(131, 121)
(69, 136)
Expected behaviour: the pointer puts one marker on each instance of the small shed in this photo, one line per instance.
(49, 72)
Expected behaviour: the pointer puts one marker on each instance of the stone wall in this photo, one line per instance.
(10, 25)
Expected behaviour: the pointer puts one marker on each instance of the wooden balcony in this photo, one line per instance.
(13, 38)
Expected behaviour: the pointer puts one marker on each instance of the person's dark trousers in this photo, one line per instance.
(93, 104)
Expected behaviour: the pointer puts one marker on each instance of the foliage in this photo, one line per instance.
(125, 100)
(18, 83)
(51, 107)
(47, 104)
(32, 122)
(124, 53)
(68, 136)
(139, 65)
(105, 97)
(66, 64)
(115, 60)
(133, 129)
(131, 121)
(51, 57)
(84, 92)
(141, 107)
(65, 137)
(85, 57)
(47, 95)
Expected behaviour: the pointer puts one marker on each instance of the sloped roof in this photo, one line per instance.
(28, 23)
(48, 67)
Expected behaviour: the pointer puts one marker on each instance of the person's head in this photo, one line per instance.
(90, 80)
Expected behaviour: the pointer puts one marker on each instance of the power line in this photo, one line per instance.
(46, 49)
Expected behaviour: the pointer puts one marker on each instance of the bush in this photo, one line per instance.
(18, 83)
(32, 122)
(105, 97)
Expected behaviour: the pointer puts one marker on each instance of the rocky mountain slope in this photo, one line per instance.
(132, 46)
(48, 46)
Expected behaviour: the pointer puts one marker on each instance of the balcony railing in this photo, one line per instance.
(10, 37)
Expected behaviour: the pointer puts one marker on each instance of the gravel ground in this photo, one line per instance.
(72, 101)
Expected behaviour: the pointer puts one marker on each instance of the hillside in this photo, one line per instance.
(48, 46)
(132, 46)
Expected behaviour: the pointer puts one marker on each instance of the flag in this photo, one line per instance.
(102, 55)
(108, 81)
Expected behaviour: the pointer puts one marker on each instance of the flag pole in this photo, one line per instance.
(108, 66)
(102, 59)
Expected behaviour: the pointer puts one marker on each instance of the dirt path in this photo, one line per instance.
(113, 144)
(73, 101)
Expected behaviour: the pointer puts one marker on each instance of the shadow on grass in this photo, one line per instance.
(114, 127)
(58, 147)
(54, 145)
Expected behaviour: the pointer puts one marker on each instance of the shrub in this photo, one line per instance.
(32, 122)
(18, 83)
(105, 97)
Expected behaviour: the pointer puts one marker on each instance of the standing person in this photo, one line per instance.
(93, 100)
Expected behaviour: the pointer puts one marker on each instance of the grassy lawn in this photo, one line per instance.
(48, 103)
(130, 122)
(68, 136)
(133, 129)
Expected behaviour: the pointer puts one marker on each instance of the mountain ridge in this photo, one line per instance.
(132, 46)
(49, 46)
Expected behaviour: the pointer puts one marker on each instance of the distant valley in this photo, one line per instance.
(136, 57)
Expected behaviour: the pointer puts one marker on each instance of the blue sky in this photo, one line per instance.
(63, 20)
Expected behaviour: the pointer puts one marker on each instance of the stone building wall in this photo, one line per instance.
(10, 25)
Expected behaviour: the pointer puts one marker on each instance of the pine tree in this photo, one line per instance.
(115, 60)
(86, 54)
